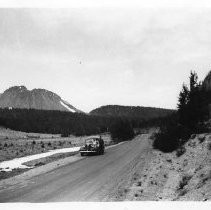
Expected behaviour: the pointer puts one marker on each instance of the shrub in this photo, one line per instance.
(180, 151)
(49, 144)
(183, 192)
(193, 136)
(170, 138)
(42, 144)
(5, 145)
(139, 184)
(121, 131)
(209, 146)
(184, 182)
(39, 164)
(126, 190)
(34, 142)
(65, 134)
(201, 139)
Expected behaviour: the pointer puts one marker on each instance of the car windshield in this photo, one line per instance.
(89, 141)
(92, 141)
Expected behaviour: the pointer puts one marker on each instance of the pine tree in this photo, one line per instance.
(183, 105)
(191, 104)
(193, 81)
(195, 104)
(121, 130)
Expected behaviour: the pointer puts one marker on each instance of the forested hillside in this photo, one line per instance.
(144, 113)
(44, 121)
(65, 123)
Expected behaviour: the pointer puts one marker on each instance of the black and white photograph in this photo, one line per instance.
(105, 103)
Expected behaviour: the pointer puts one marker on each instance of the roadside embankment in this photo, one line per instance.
(182, 175)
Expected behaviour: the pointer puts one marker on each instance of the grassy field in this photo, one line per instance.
(15, 144)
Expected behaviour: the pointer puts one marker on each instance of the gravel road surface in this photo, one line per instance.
(93, 178)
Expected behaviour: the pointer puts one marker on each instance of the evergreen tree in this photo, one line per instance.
(192, 112)
(191, 104)
(183, 104)
(196, 112)
(121, 130)
(193, 81)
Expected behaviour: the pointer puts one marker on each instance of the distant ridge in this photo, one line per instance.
(22, 98)
(131, 111)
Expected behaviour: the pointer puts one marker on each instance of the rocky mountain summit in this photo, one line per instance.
(22, 98)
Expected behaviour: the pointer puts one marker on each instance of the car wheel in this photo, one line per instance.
(82, 154)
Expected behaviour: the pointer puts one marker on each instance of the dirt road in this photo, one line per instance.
(94, 178)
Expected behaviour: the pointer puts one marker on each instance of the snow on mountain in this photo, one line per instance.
(66, 106)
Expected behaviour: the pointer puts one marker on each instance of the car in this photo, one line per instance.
(93, 145)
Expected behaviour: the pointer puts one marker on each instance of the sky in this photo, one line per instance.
(99, 56)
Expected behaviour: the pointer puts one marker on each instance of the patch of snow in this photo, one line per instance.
(19, 162)
(65, 105)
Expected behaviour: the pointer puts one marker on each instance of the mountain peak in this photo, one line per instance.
(17, 88)
(22, 98)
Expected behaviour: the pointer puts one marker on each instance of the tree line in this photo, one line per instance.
(66, 123)
(193, 113)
